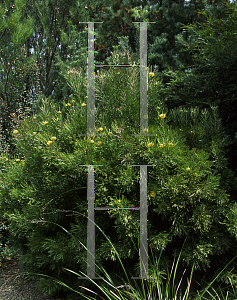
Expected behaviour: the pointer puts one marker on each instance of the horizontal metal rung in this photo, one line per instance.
(117, 208)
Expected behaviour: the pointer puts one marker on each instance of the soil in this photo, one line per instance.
(14, 287)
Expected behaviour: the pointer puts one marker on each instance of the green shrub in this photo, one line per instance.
(185, 196)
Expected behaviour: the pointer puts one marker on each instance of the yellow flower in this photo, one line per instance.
(70, 72)
(100, 129)
(110, 133)
(162, 116)
(45, 122)
(152, 194)
(59, 112)
(83, 104)
(49, 142)
(68, 104)
(15, 131)
(92, 141)
(158, 107)
(73, 101)
(162, 145)
(53, 138)
(150, 144)
(151, 74)
(99, 143)
(86, 97)
(34, 133)
(156, 83)
(170, 144)
(17, 159)
(188, 169)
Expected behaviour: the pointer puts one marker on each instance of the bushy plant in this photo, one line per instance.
(49, 186)
(160, 286)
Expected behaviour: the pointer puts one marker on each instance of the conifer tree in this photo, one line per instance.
(210, 80)
(18, 71)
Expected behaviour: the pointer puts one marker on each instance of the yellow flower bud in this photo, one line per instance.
(152, 194)
(150, 144)
(162, 116)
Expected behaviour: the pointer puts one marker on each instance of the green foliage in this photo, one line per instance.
(57, 32)
(69, 69)
(18, 74)
(186, 199)
(191, 188)
(156, 285)
(210, 78)
(5, 251)
(121, 105)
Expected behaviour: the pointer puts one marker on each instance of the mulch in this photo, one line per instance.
(14, 287)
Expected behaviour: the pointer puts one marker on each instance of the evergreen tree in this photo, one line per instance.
(210, 79)
(163, 47)
(17, 70)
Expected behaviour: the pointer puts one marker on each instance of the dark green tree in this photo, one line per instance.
(18, 71)
(169, 16)
(210, 80)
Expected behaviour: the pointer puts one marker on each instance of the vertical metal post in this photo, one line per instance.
(91, 225)
(143, 170)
